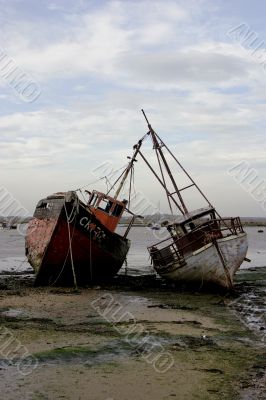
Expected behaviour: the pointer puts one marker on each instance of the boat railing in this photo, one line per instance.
(166, 254)
(233, 226)
(175, 247)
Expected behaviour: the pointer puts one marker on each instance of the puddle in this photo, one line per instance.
(13, 313)
(14, 264)
(250, 309)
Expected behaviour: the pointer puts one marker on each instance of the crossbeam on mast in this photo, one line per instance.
(158, 148)
(161, 182)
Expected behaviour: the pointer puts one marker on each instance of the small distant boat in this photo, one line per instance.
(260, 230)
(154, 226)
(12, 226)
(70, 242)
(202, 247)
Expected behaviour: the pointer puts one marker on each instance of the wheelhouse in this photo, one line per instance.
(185, 224)
(191, 232)
(107, 209)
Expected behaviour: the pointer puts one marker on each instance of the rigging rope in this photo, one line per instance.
(99, 179)
(75, 205)
(116, 181)
(70, 248)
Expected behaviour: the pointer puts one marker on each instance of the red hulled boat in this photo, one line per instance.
(70, 242)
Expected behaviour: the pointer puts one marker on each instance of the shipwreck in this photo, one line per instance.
(72, 242)
(201, 247)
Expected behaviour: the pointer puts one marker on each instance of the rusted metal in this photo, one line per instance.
(185, 172)
(69, 241)
(163, 178)
(158, 147)
(193, 256)
(210, 251)
(98, 253)
(161, 182)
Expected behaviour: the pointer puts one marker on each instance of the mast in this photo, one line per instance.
(159, 150)
(187, 174)
(129, 167)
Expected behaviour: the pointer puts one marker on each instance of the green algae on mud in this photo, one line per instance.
(206, 339)
(255, 274)
(86, 355)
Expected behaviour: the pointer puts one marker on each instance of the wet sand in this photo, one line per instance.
(117, 342)
(139, 338)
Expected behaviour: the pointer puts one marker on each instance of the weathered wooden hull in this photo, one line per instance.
(65, 238)
(216, 263)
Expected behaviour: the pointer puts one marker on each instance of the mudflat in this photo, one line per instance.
(131, 341)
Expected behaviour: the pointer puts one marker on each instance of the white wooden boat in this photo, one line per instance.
(202, 247)
(210, 253)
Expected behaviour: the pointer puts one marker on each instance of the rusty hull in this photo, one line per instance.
(65, 235)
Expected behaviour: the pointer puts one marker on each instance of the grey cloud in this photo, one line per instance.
(177, 68)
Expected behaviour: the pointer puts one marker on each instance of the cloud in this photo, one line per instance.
(92, 41)
(99, 63)
(182, 69)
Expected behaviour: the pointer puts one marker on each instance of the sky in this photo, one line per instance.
(192, 65)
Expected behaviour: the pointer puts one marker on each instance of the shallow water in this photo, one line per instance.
(256, 247)
(12, 257)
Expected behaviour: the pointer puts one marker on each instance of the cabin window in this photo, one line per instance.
(101, 204)
(175, 230)
(48, 206)
(117, 210)
(190, 226)
(105, 205)
(108, 207)
(200, 221)
(186, 228)
(93, 199)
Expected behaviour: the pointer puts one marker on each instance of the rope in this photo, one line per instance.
(99, 179)
(90, 258)
(134, 188)
(70, 247)
(107, 182)
(117, 180)
(88, 184)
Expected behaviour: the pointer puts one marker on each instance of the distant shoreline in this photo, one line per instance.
(256, 223)
(246, 221)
